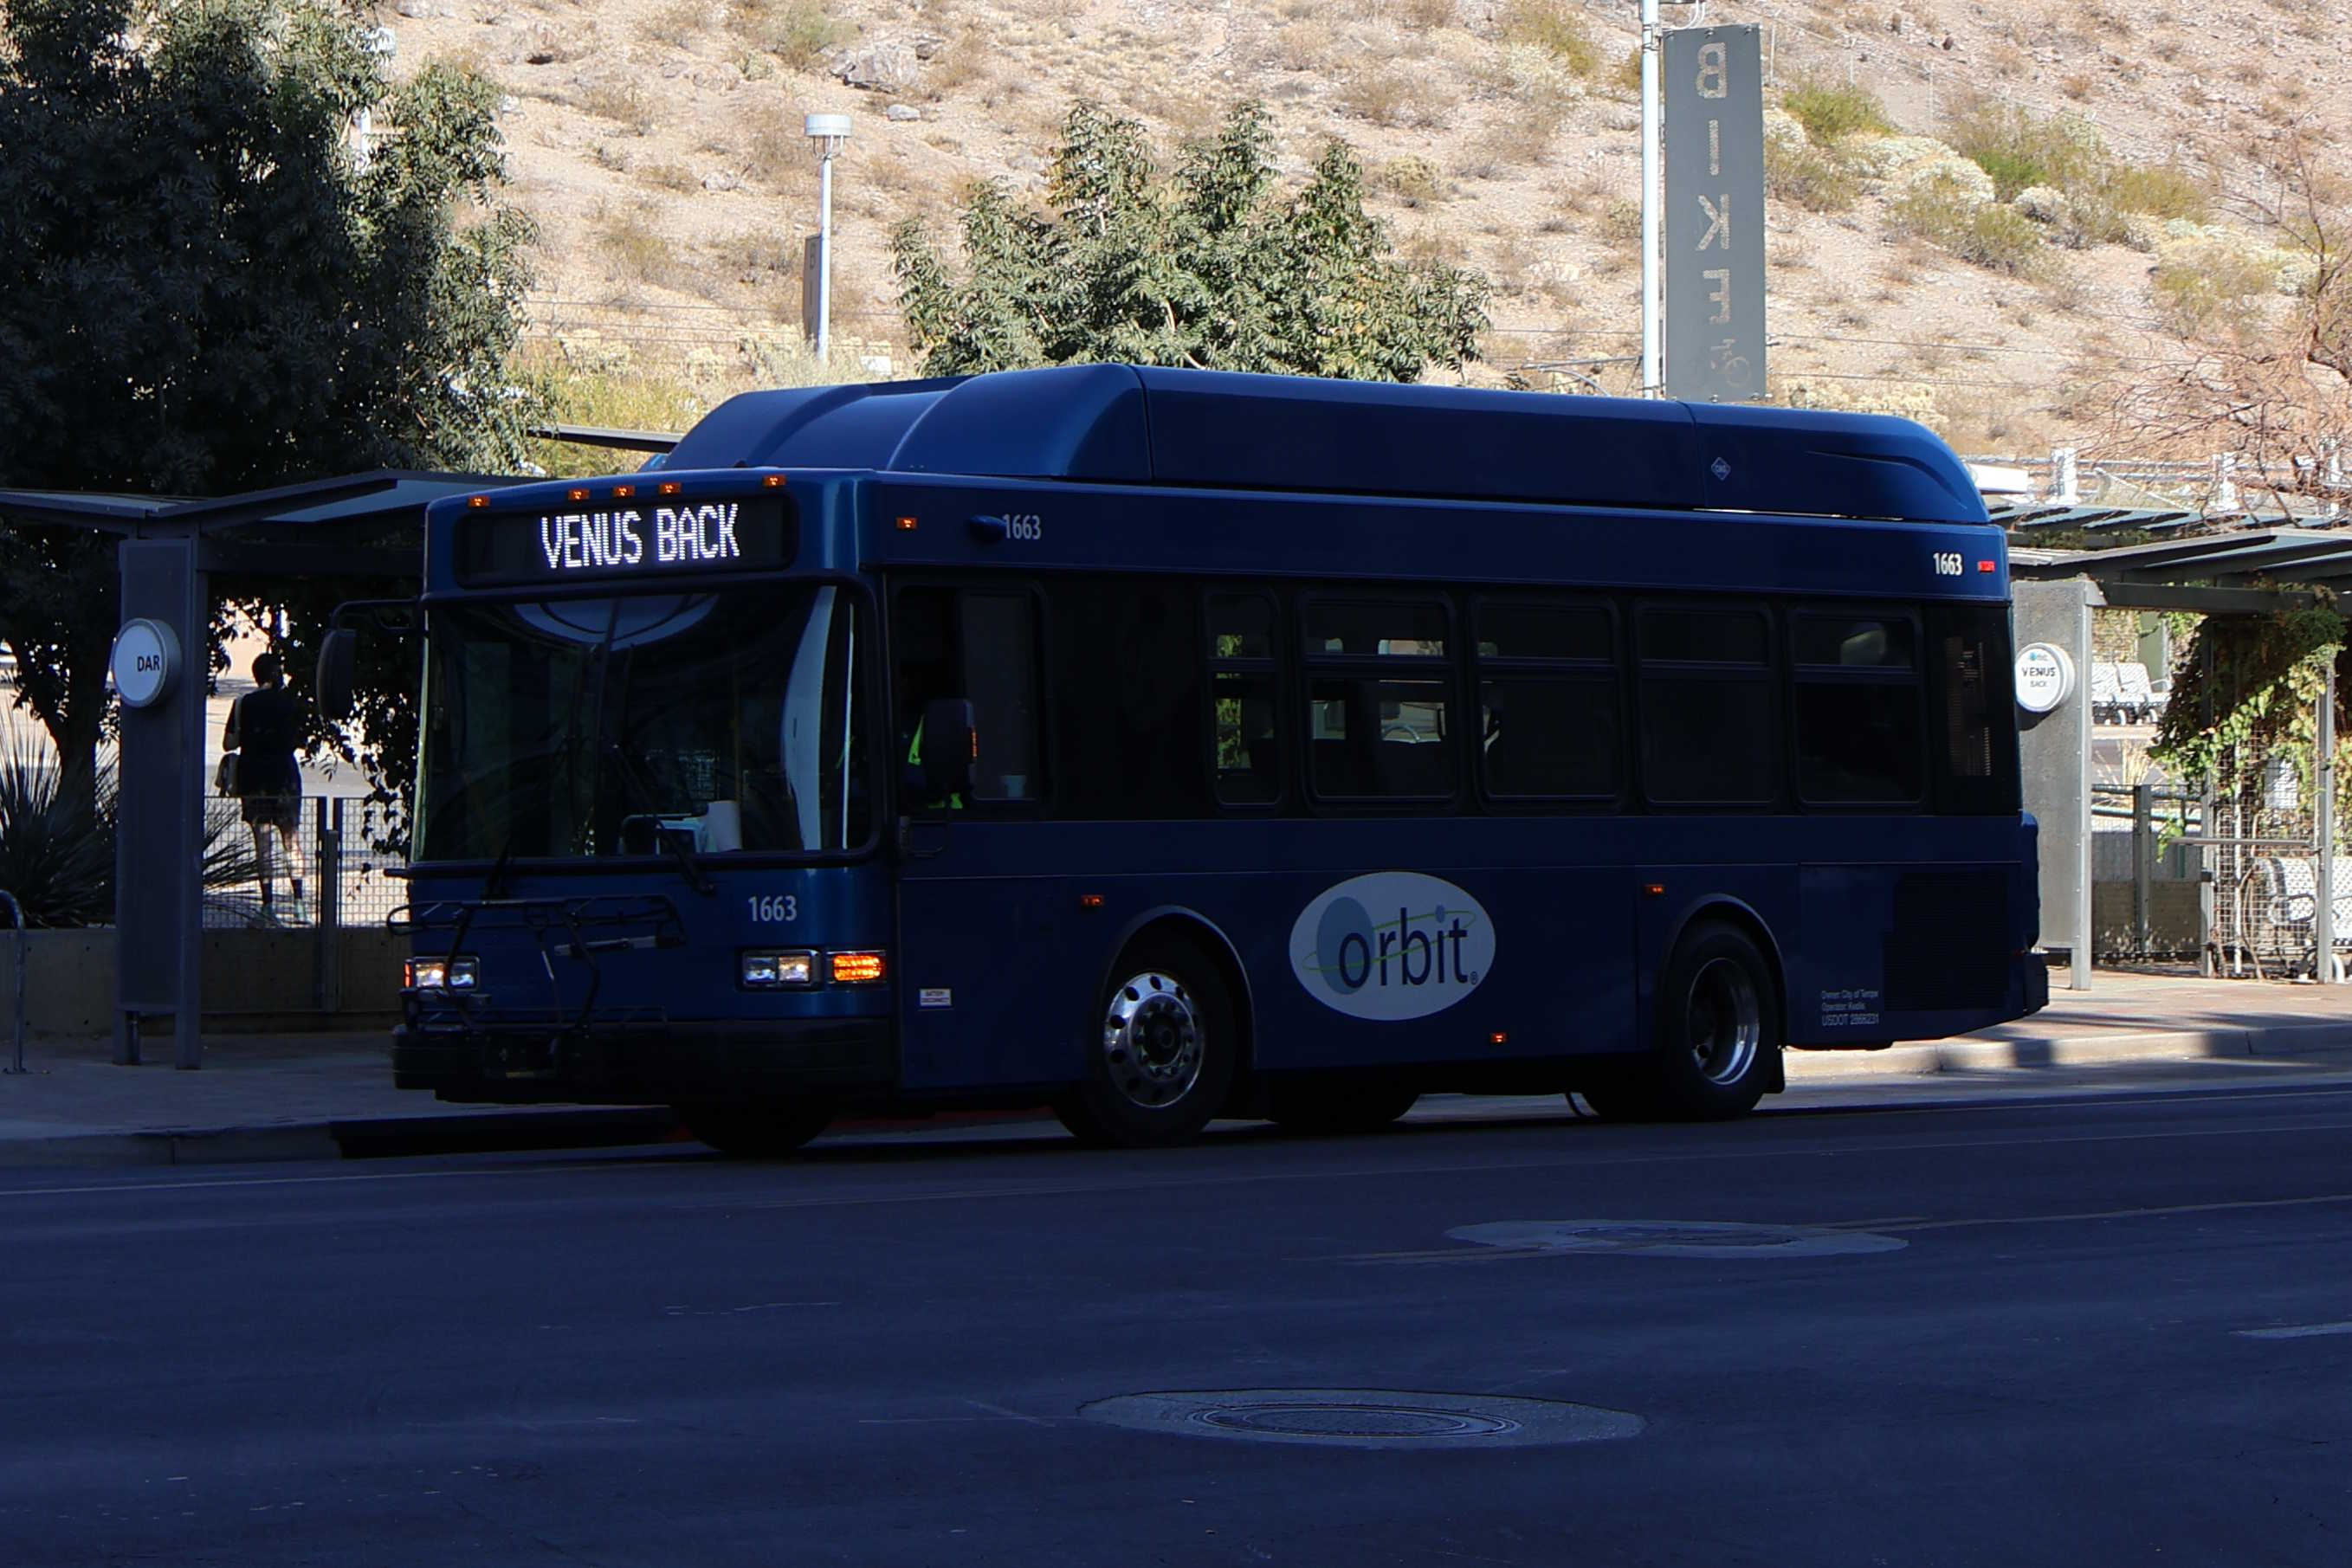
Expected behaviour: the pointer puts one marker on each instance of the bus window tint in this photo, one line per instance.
(1549, 738)
(1398, 631)
(1508, 630)
(1976, 748)
(1379, 700)
(1858, 712)
(1379, 739)
(1706, 708)
(1000, 669)
(1246, 731)
(1124, 672)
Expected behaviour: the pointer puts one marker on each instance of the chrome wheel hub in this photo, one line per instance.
(1152, 1041)
(1723, 1021)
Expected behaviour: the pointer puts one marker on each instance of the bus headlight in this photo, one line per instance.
(460, 974)
(765, 968)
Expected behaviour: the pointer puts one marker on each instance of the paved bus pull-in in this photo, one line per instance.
(1164, 745)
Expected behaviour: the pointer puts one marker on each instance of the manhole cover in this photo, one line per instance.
(1366, 1417)
(1673, 1239)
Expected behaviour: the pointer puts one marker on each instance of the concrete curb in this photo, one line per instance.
(505, 1130)
(2081, 1050)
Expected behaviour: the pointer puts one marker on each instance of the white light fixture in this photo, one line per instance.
(829, 131)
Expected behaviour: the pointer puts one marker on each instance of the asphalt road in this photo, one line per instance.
(2110, 1329)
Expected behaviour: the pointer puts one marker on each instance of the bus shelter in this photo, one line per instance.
(2244, 571)
(359, 525)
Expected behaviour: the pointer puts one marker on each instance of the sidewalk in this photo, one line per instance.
(323, 1096)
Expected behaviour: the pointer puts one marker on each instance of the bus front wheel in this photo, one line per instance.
(1717, 1036)
(757, 1129)
(1162, 1053)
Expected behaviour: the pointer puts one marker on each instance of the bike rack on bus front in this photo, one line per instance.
(574, 919)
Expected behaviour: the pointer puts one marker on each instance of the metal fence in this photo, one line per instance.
(333, 872)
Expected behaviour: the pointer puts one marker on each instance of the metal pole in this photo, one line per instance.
(2143, 864)
(2323, 923)
(1653, 381)
(2205, 857)
(24, 958)
(825, 256)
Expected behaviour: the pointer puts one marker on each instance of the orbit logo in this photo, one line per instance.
(1391, 946)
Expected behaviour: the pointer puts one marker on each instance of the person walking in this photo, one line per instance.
(263, 728)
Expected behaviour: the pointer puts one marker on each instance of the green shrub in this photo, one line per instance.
(2018, 149)
(2203, 289)
(1992, 235)
(2164, 190)
(1830, 113)
(1815, 180)
(1550, 25)
(796, 32)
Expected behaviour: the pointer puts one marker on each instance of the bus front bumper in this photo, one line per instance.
(633, 1060)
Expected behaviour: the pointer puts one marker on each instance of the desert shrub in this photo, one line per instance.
(2019, 149)
(1412, 180)
(796, 32)
(1550, 25)
(1814, 179)
(2208, 288)
(1830, 112)
(1992, 235)
(2161, 191)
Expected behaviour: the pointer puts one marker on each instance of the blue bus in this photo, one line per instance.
(1168, 745)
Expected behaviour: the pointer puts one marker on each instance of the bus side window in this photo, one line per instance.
(1707, 733)
(1380, 689)
(1548, 700)
(1975, 722)
(1245, 734)
(1000, 672)
(1858, 710)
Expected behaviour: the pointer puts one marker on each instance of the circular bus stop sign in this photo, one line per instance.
(146, 661)
(2045, 677)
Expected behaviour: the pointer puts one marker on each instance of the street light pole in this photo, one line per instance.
(829, 131)
(1652, 119)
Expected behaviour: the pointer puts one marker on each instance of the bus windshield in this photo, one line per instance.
(590, 728)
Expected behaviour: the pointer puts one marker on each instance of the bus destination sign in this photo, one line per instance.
(623, 539)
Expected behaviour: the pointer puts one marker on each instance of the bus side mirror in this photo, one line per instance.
(332, 689)
(950, 748)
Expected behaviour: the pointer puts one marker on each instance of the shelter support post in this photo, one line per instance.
(2323, 919)
(2054, 749)
(160, 826)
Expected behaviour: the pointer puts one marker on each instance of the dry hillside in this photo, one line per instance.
(657, 142)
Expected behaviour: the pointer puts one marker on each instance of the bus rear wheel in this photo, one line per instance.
(1318, 1109)
(1162, 1053)
(757, 1129)
(1718, 1037)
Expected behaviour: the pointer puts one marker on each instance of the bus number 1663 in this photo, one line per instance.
(1948, 562)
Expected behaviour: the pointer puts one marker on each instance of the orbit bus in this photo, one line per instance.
(1168, 745)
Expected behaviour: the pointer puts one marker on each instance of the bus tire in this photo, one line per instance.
(1161, 1055)
(757, 1129)
(1314, 1109)
(1717, 1036)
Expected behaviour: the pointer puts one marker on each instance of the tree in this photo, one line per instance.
(2274, 388)
(206, 287)
(1208, 268)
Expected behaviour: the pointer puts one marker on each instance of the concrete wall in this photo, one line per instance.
(254, 979)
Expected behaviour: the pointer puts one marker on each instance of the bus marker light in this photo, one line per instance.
(1984, 565)
(1090, 900)
(623, 492)
(907, 524)
(1654, 889)
(668, 486)
(856, 968)
(478, 500)
(1500, 1037)
(774, 481)
(578, 492)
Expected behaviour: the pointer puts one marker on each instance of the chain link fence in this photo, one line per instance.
(328, 872)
